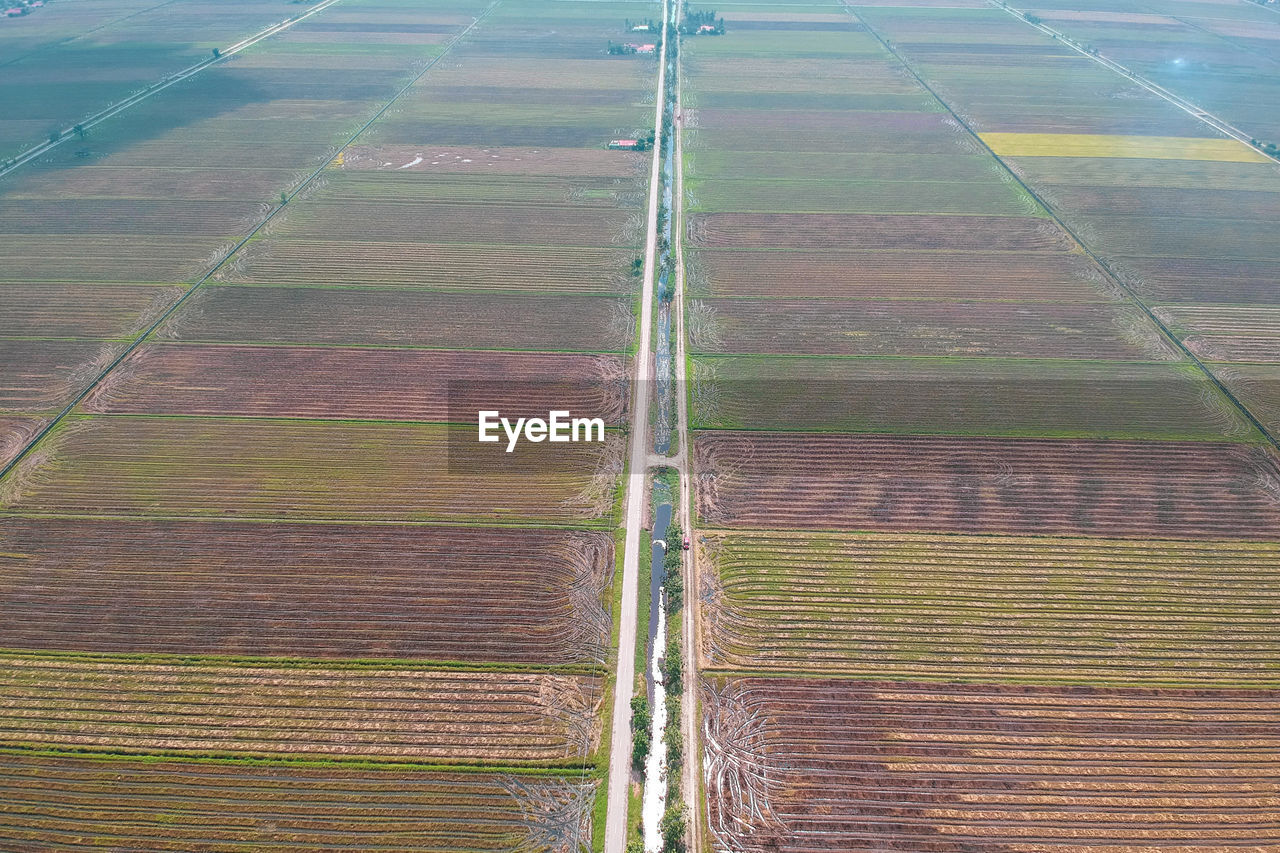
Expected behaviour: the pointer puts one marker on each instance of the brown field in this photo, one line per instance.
(56, 802)
(884, 233)
(924, 328)
(375, 384)
(118, 465)
(1165, 489)
(910, 130)
(63, 310)
(540, 269)
(15, 432)
(816, 765)
(1167, 201)
(448, 159)
(1133, 173)
(1235, 348)
(112, 704)
(130, 216)
(368, 317)
(105, 258)
(304, 590)
(1180, 280)
(1179, 236)
(1010, 276)
(245, 184)
(44, 375)
(433, 223)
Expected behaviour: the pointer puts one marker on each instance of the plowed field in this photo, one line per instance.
(304, 590)
(1035, 486)
(847, 765)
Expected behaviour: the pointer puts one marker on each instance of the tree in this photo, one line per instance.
(55, 135)
(216, 53)
(81, 131)
(284, 198)
(672, 826)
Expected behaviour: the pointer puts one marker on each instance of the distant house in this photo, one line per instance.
(643, 48)
(640, 28)
(624, 144)
(14, 12)
(706, 28)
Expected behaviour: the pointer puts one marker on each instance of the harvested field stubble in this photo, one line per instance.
(540, 269)
(854, 231)
(825, 273)
(1088, 611)
(964, 397)
(305, 590)
(925, 328)
(1134, 489)
(126, 465)
(393, 317)
(803, 766)
(181, 806)
(381, 384)
(110, 704)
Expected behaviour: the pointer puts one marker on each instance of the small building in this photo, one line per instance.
(706, 28)
(624, 144)
(641, 48)
(14, 12)
(640, 28)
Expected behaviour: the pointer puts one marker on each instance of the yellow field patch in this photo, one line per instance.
(1100, 145)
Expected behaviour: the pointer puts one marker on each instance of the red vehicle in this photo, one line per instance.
(687, 544)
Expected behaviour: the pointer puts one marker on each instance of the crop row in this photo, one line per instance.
(1034, 486)
(128, 705)
(837, 272)
(847, 765)
(973, 397)
(868, 231)
(305, 590)
(507, 160)
(375, 317)
(57, 803)
(338, 260)
(268, 468)
(64, 310)
(924, 328)
(376, 384)
(506, 224)
(995, 609)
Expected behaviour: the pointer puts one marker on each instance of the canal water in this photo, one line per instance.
(655, 788)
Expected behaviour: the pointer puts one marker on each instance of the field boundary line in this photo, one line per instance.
(176, 77)
(1178, 101)
(190, 291)
(1101, 265)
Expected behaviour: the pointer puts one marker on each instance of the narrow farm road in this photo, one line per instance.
(177, 77)
(615, 835)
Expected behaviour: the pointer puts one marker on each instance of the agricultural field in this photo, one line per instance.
(821, 764)
(984, 457)
(1220, 56)
(259, 551)
(1086, 611)
(305, 809)
(306, 590)
(67, 60)
(1138, 489)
